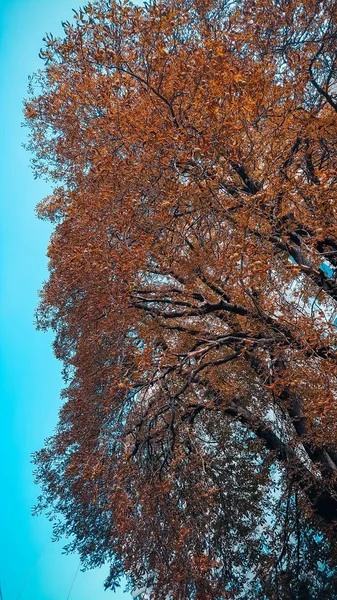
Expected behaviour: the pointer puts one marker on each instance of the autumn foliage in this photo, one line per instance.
(192, 292)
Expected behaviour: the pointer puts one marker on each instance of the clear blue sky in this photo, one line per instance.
(30, 375)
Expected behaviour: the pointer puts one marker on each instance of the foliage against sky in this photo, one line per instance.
(192, 146)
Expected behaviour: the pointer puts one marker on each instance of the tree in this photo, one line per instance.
(192, 291)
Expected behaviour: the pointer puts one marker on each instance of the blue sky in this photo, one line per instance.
(31, 567)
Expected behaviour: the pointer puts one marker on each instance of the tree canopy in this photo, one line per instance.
(192, 292)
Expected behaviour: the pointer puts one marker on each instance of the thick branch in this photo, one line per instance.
(320, 496)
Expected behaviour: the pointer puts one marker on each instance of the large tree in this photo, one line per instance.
(192, 291)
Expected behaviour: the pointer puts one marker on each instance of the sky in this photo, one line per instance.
(31, 566)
